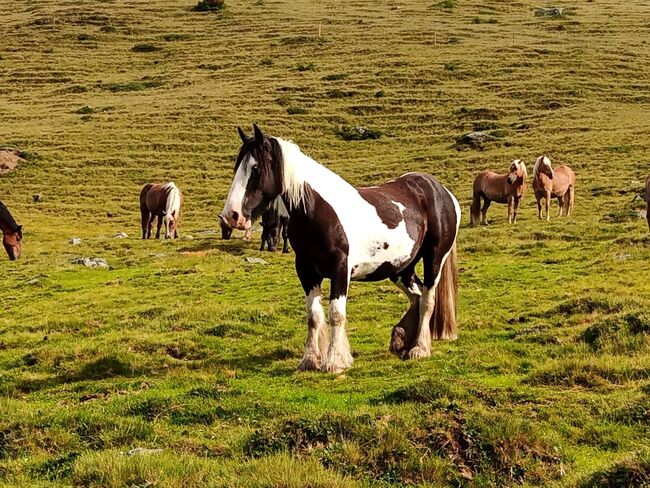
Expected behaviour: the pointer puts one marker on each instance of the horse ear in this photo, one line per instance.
(259, 137)
(242, 136)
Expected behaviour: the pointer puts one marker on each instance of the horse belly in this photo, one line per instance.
(382, 254)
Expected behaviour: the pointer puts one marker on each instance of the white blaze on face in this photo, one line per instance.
(233, 209)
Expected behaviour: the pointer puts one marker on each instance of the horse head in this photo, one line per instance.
(171, 223)
(543, 166)
(257, 180)
(517, 172)
(12, 241)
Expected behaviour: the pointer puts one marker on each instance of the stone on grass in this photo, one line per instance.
(549, 12)
(91, 262)
(74, 241)
(143, 451)
(255, 260)
(121, 235)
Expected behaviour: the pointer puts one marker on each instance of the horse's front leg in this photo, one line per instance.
(548, 206)
(158, 226)
(403, 334)
(317, 335)
(339, 357)
(511, 211)
(517, 206)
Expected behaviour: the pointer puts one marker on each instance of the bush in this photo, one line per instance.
(357, 133)
(210, 5)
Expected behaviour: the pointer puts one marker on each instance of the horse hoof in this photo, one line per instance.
(336, 364)
(418, 352)
(309, 363)
(398, 341)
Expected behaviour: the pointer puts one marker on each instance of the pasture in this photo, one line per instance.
(183, 345)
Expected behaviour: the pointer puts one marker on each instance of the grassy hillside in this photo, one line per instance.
(186, 347)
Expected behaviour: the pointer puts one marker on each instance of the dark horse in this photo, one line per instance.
(162, 202)
(342, 233)
(275, 222)
(12, 233)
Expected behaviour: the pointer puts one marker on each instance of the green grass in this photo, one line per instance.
(184, 346)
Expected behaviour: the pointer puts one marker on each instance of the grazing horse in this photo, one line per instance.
(342, 233)
(548, 183)
(162, 202)
(12, 233)
(275, 221)
(501, 188)
(647, 199)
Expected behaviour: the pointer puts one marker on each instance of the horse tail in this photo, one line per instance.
(570, 200)
(443, 320)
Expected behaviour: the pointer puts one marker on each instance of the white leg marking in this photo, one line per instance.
(422, 348)
(339, 357)
(315, 322)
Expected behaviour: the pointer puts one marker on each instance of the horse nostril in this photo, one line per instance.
(234, 216)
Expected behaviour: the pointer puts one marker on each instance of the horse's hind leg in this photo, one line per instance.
(561, 202)
(404, 333)
(144, 221)
(569, 204)
(486, 205)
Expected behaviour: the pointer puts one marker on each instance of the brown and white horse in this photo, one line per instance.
(501, 188)
(647, 199)
(12, 233)
(342, 233)
(164, 203)
(275, 223)
(548, 183)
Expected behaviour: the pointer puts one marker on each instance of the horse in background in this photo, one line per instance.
(548, 183)
(12, 233)
(275, 222)
(647, 199)
(500, 188)
(342, 233)
(164, 203)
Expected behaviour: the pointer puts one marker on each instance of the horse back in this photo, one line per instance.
(153, 197)
(563, 179)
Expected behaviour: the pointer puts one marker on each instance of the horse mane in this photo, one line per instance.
(6, 219)
(296, 169)
(538, 163)
(523, 165)
(173, 197)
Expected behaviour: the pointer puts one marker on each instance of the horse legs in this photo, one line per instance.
(403, 335)
(158, 226)
(511, 209)
(150, 224)
(569, 204)
(339, 357)
(475, 209)
(548, 206)
(539, 206)
(317, 337)
(486, 205)
(561, 202)
(516, 207)
(144, 221)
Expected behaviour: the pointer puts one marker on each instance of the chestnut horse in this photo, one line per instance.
(647, 199)
(12, 233)
(548, 183)
(164, 203)
(501, 188)
(342, 233)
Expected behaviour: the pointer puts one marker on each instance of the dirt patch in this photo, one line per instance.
(10, 158)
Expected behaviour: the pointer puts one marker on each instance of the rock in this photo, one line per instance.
(91, 262)
(121, 235)
(255, 260)
(357, 133)
(74, 241)
(143, 451)
(37, 198)
(549, 12)
(475, 139)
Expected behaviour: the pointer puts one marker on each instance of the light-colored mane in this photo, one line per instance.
(541, 160)
(173, 199)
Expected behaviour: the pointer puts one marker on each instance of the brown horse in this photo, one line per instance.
(12, 233)
(647, 199)
(501, 188)
(162, 202)
(548, 183)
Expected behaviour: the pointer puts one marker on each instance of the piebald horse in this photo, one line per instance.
(548, 183)
(275, 223)
(342, 233)
(501, 188)
(12, 233)
(164, 203)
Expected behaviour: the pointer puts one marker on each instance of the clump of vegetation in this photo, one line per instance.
(86, 109)
(623, 215)
(633, 471)
(132, 85)
(335, 77)
(447, 4)
(210, 5)
(588, 304)
(357, 133)
(296, 110)
(177, 37)
(145, 48)
(305, 66)
(479, 20)
(85, 37)
(337, 93)
(619, 334)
